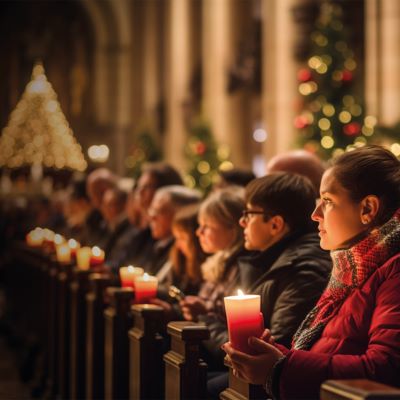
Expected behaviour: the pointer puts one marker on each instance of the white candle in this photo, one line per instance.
(35, 237)
(83, 257)
(244, 319)
(129, 274)
(145, 288)
(63, 253)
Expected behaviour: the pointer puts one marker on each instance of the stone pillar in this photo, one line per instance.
(215, 62)
(372, 58)
(390, 61)
(178, 74)
(279, 75)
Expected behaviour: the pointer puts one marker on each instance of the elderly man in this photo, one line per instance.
(166, 202)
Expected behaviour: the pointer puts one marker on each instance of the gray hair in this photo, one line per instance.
(179, 195)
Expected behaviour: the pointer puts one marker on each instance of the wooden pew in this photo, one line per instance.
(118, 321)
(95, 305)
(79, 287)
(357, 389)
(52, 375)
(185, 372)
(146, 353)
(63, 303)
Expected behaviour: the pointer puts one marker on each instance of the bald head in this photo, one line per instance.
(299, 162)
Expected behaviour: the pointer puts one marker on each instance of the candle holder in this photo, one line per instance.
(244, 320)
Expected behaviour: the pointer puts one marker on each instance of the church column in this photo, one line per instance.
(151, 62)
(390, 61)
(279, 75)
(177, 78)
(372, 56)
(215, 62)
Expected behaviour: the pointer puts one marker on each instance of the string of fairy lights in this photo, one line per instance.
(333, 119)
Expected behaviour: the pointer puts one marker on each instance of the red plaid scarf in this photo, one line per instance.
(351, 268)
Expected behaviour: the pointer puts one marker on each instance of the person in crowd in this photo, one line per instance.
(77, 209)
(220, 236)
(287, 267)
(97, 182)
(186, 254)
(154, 176)
(298, 162)
(166, 202)
(186, 257)
(354, 329)
(113, 209)
(233, 177)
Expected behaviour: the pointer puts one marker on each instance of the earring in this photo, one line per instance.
(365, 222)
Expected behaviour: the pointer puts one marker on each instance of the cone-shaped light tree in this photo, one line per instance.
(38, 133)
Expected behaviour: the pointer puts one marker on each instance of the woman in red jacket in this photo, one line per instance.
(354, 330)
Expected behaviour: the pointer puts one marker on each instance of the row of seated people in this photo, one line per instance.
(338, 313)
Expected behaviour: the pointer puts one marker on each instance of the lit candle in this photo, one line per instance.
(83, 255)
(244, 319)
(35, 237)
(63, 253)
(74, 246)
(145, 288)
(97, 256)
(58, 239)
(129, 274)
(48, 235)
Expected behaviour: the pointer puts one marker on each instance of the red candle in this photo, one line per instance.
(145, 288)
(74, 246)
(244, 320)
(129, 275)
(97, 256)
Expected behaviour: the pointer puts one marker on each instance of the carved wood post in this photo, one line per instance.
(95, 304)
(146, 353)
(361, 389)
(118, 321)
(64, 280)
(78, 289)
(52, 379)
(185, 372)
(240, 390)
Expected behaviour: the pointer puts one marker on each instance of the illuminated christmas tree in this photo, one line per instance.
(333, 118)
(205, 158)
(38, 133)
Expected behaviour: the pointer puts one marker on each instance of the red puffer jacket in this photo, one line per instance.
(361, 341)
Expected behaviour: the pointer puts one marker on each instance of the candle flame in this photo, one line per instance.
(96, 251)
(72, 243)
(145, 276)
(58, 239)
(131, 268)
(240, 292)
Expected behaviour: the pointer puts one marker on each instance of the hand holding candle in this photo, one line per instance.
(145, 288)
(129, 274)
(244, 319)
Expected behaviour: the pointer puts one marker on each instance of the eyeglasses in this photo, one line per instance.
(247, 213)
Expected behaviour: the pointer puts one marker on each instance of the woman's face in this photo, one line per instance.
(338, 217)
(182, 241)
(214, 236)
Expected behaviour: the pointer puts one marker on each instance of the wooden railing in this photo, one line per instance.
(97, 345)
